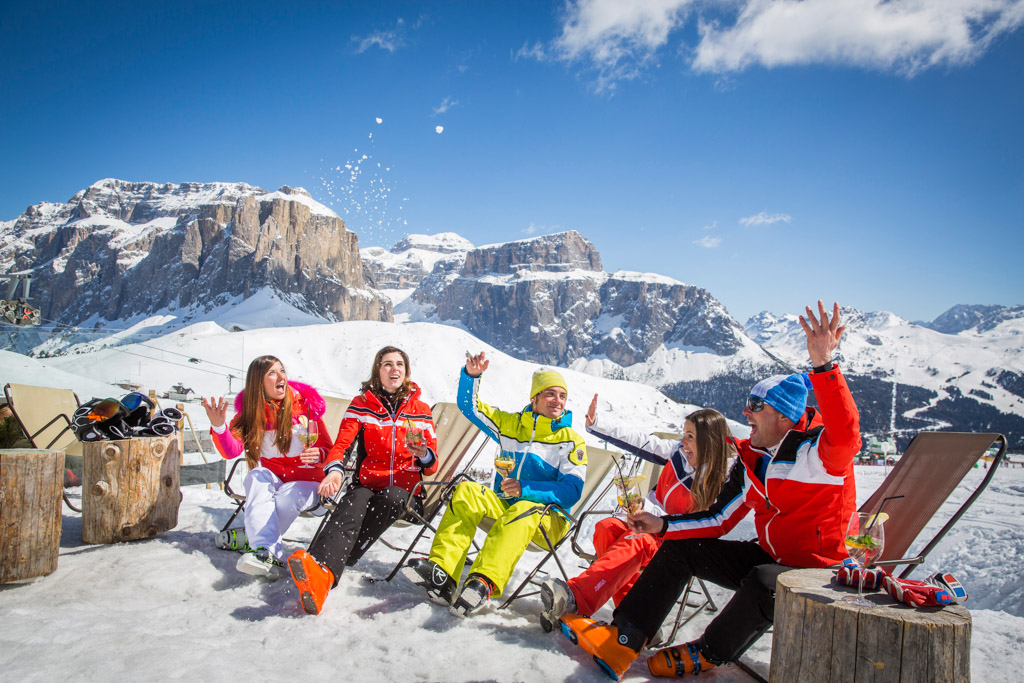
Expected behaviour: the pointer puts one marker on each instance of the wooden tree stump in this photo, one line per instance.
(129, 488)
(31, 482)
(820, 638)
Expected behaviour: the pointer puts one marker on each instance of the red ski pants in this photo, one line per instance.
(618, 564)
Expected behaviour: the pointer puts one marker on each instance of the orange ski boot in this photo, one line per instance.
(312, 579)
(609, 649)
(678, 661)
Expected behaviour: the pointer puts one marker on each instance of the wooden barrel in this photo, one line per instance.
(130, 488)
(818, 637)
(31, 482)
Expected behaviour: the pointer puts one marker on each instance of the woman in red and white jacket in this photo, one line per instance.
(694, 469)
(393, 433)
(283, 474)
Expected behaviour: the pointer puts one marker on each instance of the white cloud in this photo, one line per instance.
(446, 104)
(380, 120)
(535, 51)
(438, 129)
(763, 218)
(905, 36)
(385, 40)
(620, 40)
(708, 242)
(711, 226)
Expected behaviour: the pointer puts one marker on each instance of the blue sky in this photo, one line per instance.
(771, 152)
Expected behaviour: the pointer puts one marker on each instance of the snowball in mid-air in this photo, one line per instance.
(439, 129)
(380, 120)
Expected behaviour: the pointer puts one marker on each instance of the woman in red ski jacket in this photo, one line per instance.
(694, 469)
(284, 474)
(392, 432)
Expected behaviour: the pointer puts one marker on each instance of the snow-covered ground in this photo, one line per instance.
(173, 607)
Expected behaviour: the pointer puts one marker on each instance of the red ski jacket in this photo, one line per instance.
(287, 466)
(383, 457)
(802, 497)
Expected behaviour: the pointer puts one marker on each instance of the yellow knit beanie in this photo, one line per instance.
(542, 379)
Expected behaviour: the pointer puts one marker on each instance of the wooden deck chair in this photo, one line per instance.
(930, 469)
(44, 414)
(596, 484)
(459, 443)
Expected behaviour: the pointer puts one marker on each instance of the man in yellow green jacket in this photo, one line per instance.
(550, 461)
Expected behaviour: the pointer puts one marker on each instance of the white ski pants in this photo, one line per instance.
(271, 506)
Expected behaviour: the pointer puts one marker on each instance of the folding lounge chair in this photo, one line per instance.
(456, 437)
(44, 414)
(930, 469)
(599, 463)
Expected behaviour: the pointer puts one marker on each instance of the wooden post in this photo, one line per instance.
(130, 489)
(31, 482)
(818, 637)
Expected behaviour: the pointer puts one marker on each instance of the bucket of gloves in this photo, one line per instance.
(134, 415)
(941, 588)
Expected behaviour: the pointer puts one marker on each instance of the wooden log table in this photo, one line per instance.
(818, 637)
(129, 488)
(31, 482)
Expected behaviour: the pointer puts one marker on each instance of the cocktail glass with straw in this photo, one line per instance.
(413, 437)
(865, 540)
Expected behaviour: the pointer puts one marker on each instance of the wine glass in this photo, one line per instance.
(630, 499)
(413, 437)
(504, 463)
(865, 540)
(308, 433)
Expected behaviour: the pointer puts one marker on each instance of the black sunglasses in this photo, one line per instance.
(755, 404)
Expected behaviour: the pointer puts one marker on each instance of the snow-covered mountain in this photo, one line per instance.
(907, 377)
(124, 261)
(119, 250)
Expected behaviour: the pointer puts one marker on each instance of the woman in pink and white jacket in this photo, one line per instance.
(283, 473)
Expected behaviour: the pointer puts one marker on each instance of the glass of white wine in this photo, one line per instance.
(308, 433)
(504, 463)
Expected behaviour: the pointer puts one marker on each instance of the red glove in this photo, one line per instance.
(916, 593)
(850, 575)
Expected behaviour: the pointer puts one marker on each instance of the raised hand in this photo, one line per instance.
(592, 412)
(216, 410)
(823, 334)
(475, 365)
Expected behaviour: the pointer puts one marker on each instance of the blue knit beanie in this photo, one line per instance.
(786, 393)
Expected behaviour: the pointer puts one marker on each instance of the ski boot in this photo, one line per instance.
(429, 575)
(313, 580)
(678, 661)
(475, 594)
(558, 600)
(613, 650)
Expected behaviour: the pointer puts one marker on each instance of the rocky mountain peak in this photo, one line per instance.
(561, 252)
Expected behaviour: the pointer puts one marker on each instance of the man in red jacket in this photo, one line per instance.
(795, 472)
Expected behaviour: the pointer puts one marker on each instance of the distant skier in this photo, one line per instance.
(546, 463)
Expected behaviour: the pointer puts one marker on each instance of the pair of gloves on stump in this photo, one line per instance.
(937, 589)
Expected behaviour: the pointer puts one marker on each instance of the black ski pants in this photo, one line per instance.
(742, 566)
(361, 516)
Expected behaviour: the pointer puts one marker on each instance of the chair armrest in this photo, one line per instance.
(580, 552)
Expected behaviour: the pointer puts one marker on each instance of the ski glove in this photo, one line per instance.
(850, 575)
(924, 593)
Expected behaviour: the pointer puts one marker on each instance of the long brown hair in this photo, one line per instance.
(251, 423)
(374, 383)
(712, 457)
